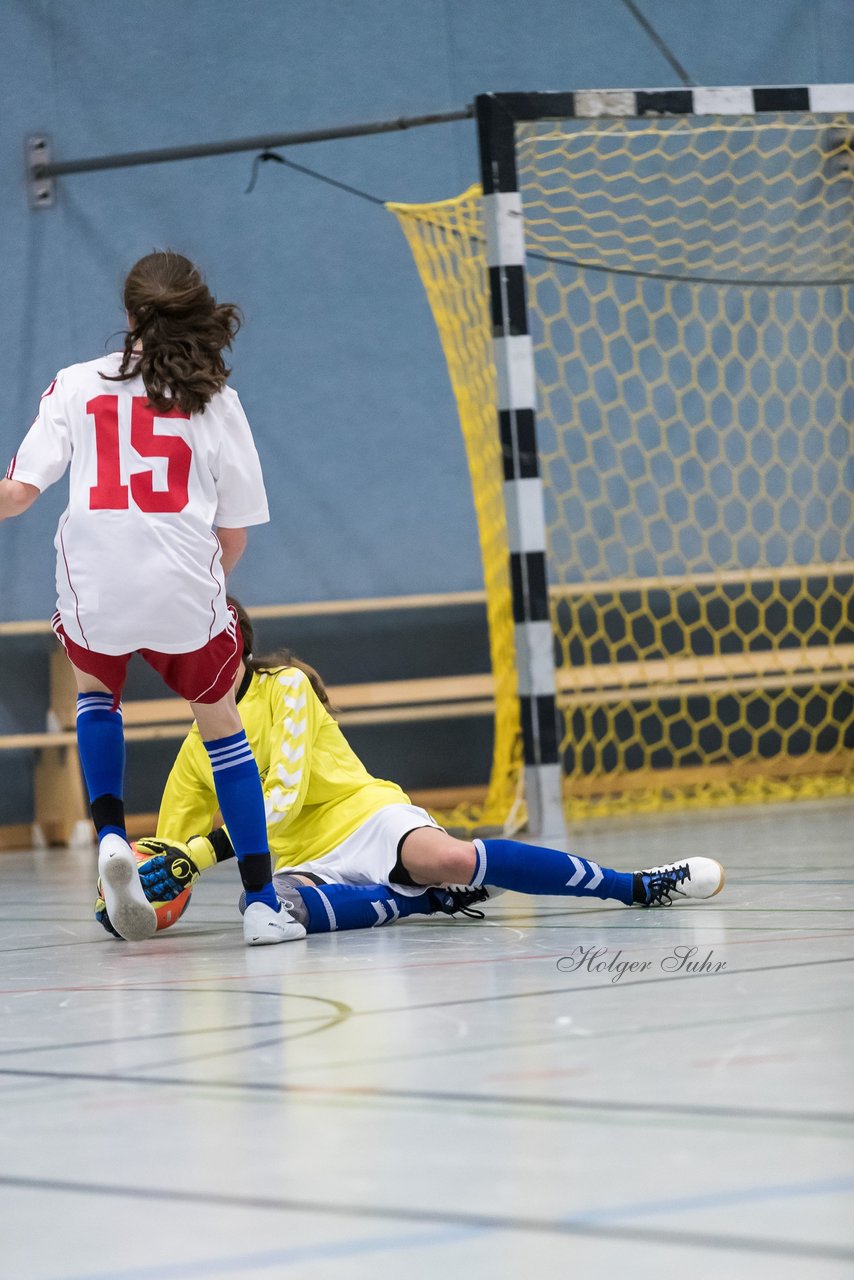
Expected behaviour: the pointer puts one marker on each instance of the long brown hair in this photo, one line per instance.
(274, 662)
(181, 329)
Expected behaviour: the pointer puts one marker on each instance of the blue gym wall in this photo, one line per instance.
(338, 364)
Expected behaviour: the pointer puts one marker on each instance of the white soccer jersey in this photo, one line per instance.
(138, 564)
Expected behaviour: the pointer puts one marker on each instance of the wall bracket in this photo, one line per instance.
(41, 188)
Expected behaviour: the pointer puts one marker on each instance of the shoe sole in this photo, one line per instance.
(130, 912)
(723, 879)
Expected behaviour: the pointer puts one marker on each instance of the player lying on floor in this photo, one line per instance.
(350, 850)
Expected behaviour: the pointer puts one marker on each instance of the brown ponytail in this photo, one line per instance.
(182, 331)
(275, 662)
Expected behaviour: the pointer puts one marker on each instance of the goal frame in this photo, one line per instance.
(497, 115)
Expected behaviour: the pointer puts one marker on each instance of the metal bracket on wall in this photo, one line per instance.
(41, 188)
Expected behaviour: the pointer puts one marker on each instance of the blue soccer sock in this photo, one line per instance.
(101, 743)
(529, 868)
(241, 802)
(358, 906)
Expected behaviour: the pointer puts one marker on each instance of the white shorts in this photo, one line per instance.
(369, 855)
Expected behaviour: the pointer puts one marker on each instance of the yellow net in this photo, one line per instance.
(447, 242)
(690, 289)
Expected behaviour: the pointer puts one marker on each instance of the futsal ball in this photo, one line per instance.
(161, 875)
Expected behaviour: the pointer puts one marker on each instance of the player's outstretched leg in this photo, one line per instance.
(432, 856)
(100, 738)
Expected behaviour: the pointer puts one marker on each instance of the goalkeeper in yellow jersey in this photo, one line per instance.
(350, 850)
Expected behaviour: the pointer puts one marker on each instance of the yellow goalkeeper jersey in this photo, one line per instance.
(316, 789)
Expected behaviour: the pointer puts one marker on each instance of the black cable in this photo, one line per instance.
(659, 42)
(679, 279)
(310, 173)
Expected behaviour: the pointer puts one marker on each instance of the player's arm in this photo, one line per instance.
(16, 497)
(43, 456)
(233, 543)
(296, 711)
(241, 498)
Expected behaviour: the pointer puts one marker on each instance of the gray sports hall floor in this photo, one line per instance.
(441, 1098)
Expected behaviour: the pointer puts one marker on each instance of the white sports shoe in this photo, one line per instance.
(263, 926)
(693, 878)
(130, 912)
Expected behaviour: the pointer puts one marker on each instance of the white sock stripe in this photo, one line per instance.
(480, 870)
(96, 702)
(223, 753)
(333, 923)
(222, 765)
(214, 748)
(227, 761)
(597, 877)
(230, 756)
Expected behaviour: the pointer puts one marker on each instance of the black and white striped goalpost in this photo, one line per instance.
(497, 115)
(523, 488)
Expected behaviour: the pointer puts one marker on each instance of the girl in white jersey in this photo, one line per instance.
(164, 481)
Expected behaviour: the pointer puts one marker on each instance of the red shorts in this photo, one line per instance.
(205, 675)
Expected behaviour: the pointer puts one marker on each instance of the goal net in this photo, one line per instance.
(689, 303)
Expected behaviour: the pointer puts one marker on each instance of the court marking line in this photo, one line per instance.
(359, 1245)
(143, 983)
(151, 1036)
(570, 1226)
(240, 1264)
(376, 1093)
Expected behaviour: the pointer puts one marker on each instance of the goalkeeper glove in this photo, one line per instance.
(170, 866)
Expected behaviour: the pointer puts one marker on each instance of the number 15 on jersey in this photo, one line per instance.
(109, 494)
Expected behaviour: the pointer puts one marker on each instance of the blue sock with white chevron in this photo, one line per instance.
(241, 802)
(358, 906)
(529, 868)
(101, 743)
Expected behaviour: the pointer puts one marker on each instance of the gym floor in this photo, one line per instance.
(442, 1097)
